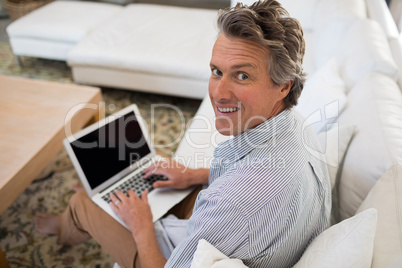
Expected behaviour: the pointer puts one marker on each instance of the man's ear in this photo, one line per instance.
(285, 88)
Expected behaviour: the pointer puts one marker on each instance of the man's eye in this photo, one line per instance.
(242, 76)
(216, 72)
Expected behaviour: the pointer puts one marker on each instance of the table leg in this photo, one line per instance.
(3, 261)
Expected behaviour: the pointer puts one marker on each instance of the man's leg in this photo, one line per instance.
(84, 219)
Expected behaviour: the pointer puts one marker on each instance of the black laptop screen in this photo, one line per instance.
(110, 149)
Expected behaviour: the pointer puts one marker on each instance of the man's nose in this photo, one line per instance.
(222, 89)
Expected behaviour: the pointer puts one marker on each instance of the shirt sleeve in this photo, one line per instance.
(217, 221)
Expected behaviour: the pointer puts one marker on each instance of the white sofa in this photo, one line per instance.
(51, 31)
(144, 47)
(152, 48)
(353, 99)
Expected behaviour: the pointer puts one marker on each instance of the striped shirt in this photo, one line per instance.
(267, 198)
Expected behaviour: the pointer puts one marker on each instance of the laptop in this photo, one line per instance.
(111, 154)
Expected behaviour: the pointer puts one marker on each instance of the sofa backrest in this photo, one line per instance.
(375, 108)
(379, 11)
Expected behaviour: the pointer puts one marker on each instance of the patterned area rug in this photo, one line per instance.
(21, 244)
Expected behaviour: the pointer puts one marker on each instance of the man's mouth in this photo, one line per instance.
(228, 110)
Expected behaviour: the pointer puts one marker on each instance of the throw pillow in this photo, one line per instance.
(332, 20)
(348, 244)
(375, 109)
(207, 256)
(386, 197)
(323, 96)
(363, 49)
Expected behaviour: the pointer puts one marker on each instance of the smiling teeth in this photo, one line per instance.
(228, 110)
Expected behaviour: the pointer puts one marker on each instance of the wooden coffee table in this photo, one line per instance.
(35, 117)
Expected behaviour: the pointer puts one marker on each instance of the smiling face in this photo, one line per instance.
(242, 93)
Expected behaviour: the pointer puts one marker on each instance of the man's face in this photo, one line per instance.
(240, 88)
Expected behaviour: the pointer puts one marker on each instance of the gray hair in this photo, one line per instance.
(268, 23)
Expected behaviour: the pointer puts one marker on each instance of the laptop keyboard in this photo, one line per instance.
(137, 183)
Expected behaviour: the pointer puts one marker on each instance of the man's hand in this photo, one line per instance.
(137, 215)
(135, 212)
(179, 176)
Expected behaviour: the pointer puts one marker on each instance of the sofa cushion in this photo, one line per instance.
(62, 21)
(309, 66)
(328, 10)
(155, 39)
(375, 108)
(364, 48)
(335, 143)
(396, 48)
(45, 49)
(386, 197)
(53, 30)
(328, 39)
(332, 20)
(207, 256)
(323, 97)
(348, 244)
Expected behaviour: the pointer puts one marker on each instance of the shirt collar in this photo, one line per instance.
(238, 147)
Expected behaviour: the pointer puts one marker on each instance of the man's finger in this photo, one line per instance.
(120, 195)
(162, 184)
(159, 171)
(113, 197)
(144, 196)
(132, 194)
(149, 169)
(114, 207)
(147, 174)
(152, 170)
(113, 203)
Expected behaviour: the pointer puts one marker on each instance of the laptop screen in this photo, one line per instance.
(110, 149)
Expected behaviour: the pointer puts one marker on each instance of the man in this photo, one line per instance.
(267, 197)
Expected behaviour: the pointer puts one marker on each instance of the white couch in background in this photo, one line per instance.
(52, 31)
(152, 48)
